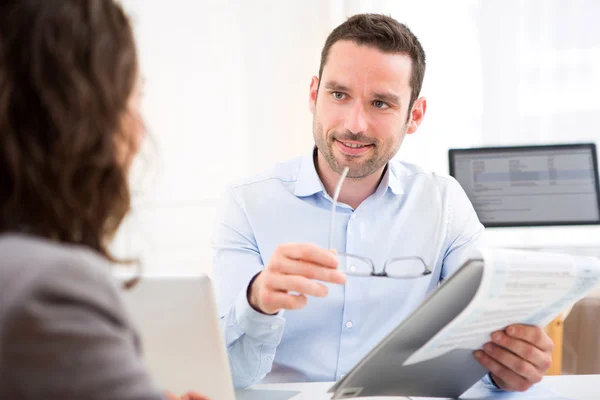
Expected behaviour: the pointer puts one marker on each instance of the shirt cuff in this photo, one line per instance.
(489, 382)
(267, 329)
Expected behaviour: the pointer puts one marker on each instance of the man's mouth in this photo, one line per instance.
(353, 148)
(353, 145)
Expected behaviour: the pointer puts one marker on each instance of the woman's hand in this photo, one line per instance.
(187, 396)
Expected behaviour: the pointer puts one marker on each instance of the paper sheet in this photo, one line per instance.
(517, 287)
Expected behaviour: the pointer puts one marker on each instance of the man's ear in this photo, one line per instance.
(312, 98)
(417, 114)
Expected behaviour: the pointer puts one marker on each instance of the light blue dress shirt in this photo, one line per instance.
(412, 213)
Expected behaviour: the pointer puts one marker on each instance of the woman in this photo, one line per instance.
(69, 128)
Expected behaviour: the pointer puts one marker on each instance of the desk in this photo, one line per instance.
(577, 387)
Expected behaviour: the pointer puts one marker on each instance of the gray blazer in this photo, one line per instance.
(63, 330)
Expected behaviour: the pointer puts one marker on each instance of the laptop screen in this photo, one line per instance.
(530, 185)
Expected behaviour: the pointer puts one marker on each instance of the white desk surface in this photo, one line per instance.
(576, 387)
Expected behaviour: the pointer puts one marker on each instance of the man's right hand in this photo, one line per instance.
(294, 268)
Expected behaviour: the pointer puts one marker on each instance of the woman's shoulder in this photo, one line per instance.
(63, 325)
(36, 269)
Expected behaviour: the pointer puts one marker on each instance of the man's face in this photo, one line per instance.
(360, 107)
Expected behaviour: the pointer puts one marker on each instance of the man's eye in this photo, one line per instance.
(339, 95)
(380, 104)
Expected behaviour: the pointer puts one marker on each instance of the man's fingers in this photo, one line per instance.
(523, 349)
(531, 334)
(508, 380)
(309, 252)
(296, 283)
(294, 267)
(513, 362)
(280, 300)
(313, 271)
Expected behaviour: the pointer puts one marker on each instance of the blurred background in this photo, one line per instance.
(226, 96)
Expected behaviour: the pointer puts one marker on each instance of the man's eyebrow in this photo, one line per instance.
(332, 85)
(387, 97)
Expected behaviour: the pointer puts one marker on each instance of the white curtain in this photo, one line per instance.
(541, 68)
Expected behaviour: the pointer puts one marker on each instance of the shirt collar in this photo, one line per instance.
(392, 178)
(309, 183)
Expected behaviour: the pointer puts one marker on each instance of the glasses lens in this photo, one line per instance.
(354, 265)
(406, 268)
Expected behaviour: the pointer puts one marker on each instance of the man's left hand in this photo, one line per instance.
(517, 357)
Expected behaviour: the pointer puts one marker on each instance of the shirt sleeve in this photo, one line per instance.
(250, 336)
(489, 382)
(465, 232)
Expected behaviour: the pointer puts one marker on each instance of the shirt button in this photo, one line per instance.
(353, 216)
(274, 326)
(342, 376)
(268, 359)
(349, 324)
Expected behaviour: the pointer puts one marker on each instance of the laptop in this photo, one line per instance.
(182, 342)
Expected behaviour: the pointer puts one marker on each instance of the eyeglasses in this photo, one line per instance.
(351, 264)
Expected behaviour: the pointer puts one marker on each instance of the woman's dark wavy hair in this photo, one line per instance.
(67, 71)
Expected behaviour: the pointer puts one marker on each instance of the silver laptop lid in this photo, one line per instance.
(181, 336)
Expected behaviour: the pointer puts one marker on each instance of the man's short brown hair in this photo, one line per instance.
(385, 34)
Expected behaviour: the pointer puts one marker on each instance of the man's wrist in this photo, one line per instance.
(249, 293)
(265, 329)
(249, 296)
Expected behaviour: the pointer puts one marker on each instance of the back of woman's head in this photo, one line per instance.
(68, 70)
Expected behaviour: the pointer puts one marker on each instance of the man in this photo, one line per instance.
(288, 313)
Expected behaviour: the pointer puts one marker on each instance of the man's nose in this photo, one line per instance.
(356, 121)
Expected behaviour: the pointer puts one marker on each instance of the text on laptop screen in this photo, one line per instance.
(528, 186)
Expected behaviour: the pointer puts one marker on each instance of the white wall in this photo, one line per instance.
(194, 105)
(227, 95)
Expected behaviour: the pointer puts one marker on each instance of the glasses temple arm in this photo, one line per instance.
(336, 194)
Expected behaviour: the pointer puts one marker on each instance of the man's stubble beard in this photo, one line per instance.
(374, 163)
